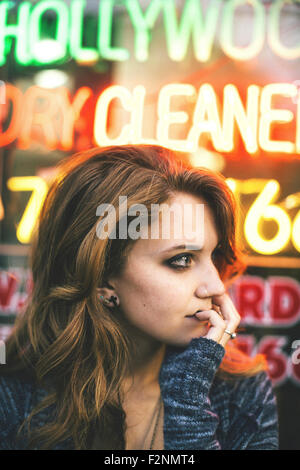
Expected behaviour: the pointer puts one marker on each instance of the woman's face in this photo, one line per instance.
(161, 286)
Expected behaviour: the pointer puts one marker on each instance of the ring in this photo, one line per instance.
(232, 335)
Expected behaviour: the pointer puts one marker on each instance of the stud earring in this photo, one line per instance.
(112, 299)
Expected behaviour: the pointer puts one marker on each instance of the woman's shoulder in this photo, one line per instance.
(14, 388)
(18, 397)
(256, 389)
(245, 390)
(253, 396)
(15, 399)
(247, 411)
(15, 384)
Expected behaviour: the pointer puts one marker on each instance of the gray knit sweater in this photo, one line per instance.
(201, 411)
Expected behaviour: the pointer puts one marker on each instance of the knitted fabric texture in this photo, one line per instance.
(201, 411)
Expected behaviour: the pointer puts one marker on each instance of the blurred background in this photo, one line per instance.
(217, 80)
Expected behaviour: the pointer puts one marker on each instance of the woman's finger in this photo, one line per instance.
(230, 315)
(217, 324)
(218, 310)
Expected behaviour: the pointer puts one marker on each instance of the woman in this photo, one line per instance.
(125, 341)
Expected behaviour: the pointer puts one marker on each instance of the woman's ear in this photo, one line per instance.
(108, 296)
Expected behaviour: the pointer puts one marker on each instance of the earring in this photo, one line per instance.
(112, 299)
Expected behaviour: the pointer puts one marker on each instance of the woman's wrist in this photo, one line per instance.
(187, 374)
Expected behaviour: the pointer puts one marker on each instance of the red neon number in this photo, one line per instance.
(277, 360)
(279, 367)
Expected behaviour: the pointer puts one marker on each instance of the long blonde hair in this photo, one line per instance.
(66, 340)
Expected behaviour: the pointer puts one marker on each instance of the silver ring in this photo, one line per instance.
(232, 335)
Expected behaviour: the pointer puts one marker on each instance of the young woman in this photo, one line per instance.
(126, 340)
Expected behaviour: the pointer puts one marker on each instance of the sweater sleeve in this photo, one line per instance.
(185, 379)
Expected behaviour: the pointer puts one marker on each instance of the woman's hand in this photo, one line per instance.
(227, 319)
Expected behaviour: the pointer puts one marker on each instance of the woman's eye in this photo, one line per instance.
(173, 262)
(214, 255)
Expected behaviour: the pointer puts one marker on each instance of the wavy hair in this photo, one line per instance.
(66, 340)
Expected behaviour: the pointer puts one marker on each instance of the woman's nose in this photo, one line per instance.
(211, 284)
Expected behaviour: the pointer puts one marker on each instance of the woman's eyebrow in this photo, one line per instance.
(184, 247)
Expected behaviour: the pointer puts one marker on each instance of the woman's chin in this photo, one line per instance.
(184, 341)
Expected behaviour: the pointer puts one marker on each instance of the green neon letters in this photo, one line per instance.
(191, 26)
(17, 30)
(59, 43)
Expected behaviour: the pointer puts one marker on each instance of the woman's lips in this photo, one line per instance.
(198, 320)
(193, 315)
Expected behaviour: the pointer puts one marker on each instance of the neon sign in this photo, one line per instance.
(193, 25)
(255, 120)
(42, 108)
(39, 190)
(262, 209)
